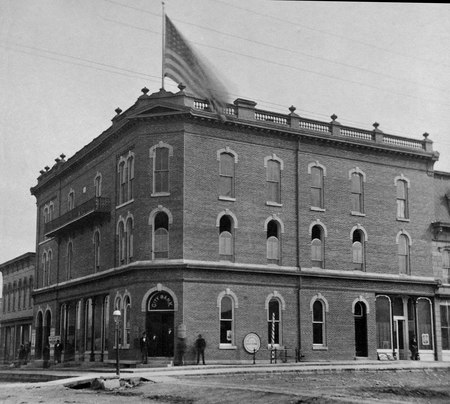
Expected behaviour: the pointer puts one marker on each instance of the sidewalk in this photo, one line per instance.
(71, 376)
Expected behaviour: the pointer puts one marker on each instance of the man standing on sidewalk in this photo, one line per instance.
(200, 345)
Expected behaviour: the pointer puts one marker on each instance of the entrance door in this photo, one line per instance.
(160, 333)
(360, 329)
(399, 338)
(159, 324)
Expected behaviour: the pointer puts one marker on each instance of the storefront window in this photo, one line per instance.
(425, 337)
(383, 320)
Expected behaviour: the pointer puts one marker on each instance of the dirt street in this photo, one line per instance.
(416, 386)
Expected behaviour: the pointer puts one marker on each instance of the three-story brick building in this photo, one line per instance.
(309, 234)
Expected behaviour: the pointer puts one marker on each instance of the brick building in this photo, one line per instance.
(309, 234)
(16, 315)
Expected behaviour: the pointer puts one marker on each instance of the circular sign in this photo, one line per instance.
(252, 342)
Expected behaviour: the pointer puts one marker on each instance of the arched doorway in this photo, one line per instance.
(159, 324)
(39, 335)
(360, 315)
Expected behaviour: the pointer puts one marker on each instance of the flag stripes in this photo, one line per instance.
(183, 65)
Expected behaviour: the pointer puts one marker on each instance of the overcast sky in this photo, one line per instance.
(65, 65)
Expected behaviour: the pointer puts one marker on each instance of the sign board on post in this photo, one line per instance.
(252, 342)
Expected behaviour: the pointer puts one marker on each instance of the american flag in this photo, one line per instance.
(183, 65)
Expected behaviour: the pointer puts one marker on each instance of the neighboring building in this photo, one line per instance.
(16, 316)
(312, 235)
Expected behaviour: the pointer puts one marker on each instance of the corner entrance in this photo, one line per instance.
(159, 324)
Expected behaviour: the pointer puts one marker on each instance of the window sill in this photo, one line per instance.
(316, 209)
(320, 348)
(227, 198)
(227, 347)
(402, 219)
(269, 203)
(160, 194)
(353, 213)
(124, 204)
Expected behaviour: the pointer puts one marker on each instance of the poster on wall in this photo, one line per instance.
(425, 339)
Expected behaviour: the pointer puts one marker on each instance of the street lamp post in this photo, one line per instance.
(116, 316)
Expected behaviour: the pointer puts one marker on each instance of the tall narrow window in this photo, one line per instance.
(226, 173)
(126, 321)
(318, 323)
(122, 241)
(122, 182)
(403, 254)
(88, 313)
(445, 326)
(45, 212)
(358, 249)
(130, 177)
(357, 193)
(402, 199)
(51, 211)
(445, 265)
(71, 200)
(69, 261)
(96, 250)
(317, 246)
(226, 321)
(226, 238)
(273, 242)
(317, 187)
(98, 185)
(383, 322)
(273, 181)
(273, 322)
(44, 268)
(425, 323)
(129, 240)
(161, 236)
(161, 170)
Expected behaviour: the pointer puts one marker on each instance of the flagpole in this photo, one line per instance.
(163, 44)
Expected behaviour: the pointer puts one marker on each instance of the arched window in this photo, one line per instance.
(122, 241)
(126, 321)
(71, 200)
(130, 177)
(122, 177)
(357, 192)
(129, 240)
(403, 254)
(161, 236)
(69, 260)
(45, 212)
(226, 321)
(44, 268)
(274, 181)
(226, 248)
(402, 199)
(96, 250)
(98, 185)
(318, 323)
(226, 174)
(317, 199)
(317, 246)
(273, 242)
(274, 322)
(358, 247)
(51, 211)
